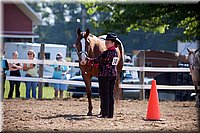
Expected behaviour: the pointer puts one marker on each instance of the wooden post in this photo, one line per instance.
(41, 67)
(142, 74)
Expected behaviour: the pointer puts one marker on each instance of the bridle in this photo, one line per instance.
(82, 47)
(83, 54)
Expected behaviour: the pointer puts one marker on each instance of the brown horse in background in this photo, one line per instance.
(88, 45)
(194, 61)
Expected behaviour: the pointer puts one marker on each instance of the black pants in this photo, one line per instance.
(106, 87)
(12, 85)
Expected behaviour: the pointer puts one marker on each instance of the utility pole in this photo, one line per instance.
(83, 19)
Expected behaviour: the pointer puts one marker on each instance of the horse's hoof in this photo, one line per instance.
(89, 114)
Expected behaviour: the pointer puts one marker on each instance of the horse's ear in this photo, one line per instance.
(79, 31)
(197, 50)
(87, 32)
(188, 49)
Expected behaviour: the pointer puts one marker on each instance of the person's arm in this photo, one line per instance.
(18, 67)
(95, 60)
(12, 67)
(65, 69)
(26, 68)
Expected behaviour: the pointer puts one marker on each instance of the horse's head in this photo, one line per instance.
(82, 45)
(192, 57)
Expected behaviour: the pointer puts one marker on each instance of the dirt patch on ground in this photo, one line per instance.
(70, 115)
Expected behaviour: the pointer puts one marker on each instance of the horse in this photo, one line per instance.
(89, 45)
(194, 65)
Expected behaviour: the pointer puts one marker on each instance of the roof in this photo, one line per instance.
(27, 10)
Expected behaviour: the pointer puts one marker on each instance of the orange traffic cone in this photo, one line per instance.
(153, 112)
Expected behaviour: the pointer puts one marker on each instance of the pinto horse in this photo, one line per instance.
(194, 61)
(88, 45)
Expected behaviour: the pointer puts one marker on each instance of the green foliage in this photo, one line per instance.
(139, 26)
(55, 28)
(156, 18)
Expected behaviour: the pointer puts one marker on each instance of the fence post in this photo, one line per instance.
(142, 74)
(41, 67)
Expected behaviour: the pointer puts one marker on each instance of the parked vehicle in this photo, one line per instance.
(129, 79)
(132, 93)
(175, 78)
(79, 90)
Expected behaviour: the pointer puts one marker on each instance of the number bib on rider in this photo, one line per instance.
(115, 60)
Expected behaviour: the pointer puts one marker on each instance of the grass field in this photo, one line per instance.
(47, 93)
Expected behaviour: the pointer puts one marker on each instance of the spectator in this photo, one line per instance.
(3, 69)
(31, 71)
(14, 71)
(60, 72)
(127, 59)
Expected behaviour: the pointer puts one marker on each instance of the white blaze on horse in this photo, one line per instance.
(194, 61)
(88, 45)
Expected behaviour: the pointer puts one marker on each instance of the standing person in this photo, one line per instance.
(14, 71)
(60, 72)
(31, 71)
(107, 75)
(3, 69)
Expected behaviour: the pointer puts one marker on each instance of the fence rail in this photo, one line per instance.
(125, 86)
(95, 84)
(146, 69)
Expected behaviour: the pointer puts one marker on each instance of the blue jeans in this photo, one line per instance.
(30, 85)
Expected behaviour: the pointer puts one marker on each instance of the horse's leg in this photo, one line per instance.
(197, 89)
(87, 80)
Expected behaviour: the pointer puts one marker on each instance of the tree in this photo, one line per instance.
(156, 18)
(59, 22)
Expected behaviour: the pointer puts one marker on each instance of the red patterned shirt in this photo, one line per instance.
(107, 62)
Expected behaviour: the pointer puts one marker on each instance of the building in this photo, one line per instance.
(18, 22)
(159, 58)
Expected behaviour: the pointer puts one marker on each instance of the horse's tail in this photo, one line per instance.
(118, 90)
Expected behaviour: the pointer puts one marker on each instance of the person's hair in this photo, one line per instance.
(14, 52)
(59, 56)
(32, 52)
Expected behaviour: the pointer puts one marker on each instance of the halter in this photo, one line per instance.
(83, 53)
(83, 47)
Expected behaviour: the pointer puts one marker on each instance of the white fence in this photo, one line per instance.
(127, 86)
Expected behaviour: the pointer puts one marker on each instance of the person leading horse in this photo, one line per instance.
(88, 45)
